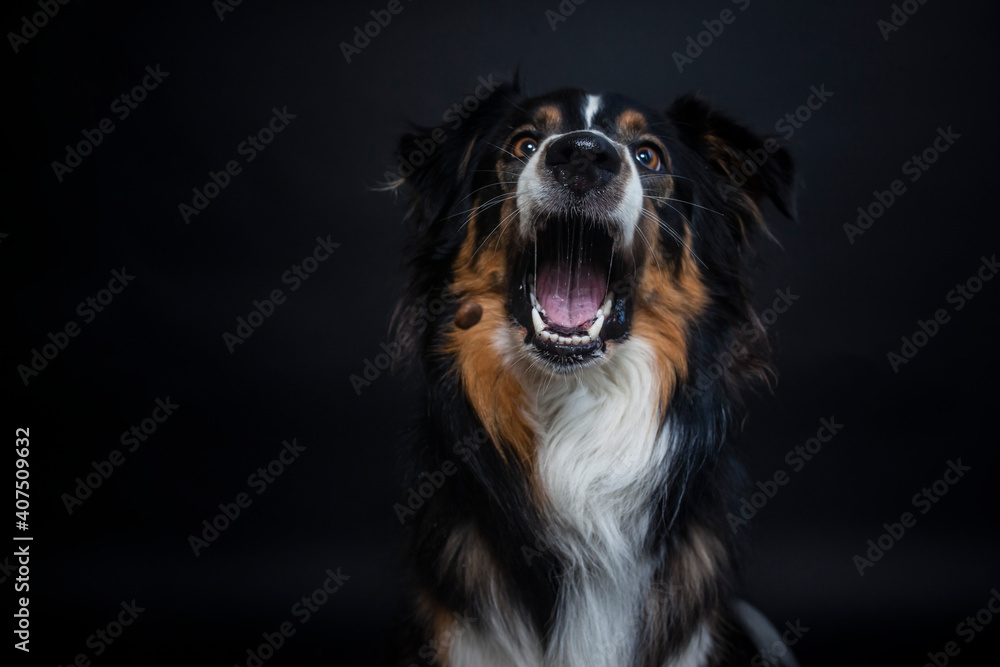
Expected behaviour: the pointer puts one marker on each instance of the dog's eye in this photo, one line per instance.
(525, 147)
(648, 157)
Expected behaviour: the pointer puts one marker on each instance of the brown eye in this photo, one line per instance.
(648, 157)
(525, 147)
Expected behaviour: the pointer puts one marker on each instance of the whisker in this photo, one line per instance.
(489, 203)
(493, 198)
(674, 233)
(486, 171)
(501, 148)
(687, 220)
(655, 176)
(651, 251)
(681, 201)
(499, 226)
(515, 104)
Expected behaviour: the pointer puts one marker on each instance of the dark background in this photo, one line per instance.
(333, 507)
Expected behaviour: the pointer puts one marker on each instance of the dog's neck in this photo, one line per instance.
(603, 453)
(600, 454)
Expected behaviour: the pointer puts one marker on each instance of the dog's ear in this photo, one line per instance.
(747, 164)
(440, 167)
(439, 162)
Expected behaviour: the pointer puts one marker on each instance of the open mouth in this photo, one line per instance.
(568, 292)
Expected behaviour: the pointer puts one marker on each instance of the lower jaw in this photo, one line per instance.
(564, 349)
(577, 337)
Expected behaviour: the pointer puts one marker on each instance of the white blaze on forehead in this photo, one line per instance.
(590, 109)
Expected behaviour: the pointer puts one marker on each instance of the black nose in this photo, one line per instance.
(582, 161)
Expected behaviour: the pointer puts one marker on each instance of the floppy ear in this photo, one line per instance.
(438, 163)
(440, 168)
(748, 164)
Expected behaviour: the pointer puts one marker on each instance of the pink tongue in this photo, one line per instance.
(570, 297)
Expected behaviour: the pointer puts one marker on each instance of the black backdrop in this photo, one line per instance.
(221, 80)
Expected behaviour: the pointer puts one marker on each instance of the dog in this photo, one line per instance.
(577, 263)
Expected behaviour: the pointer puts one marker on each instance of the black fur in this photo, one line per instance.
(489, 489)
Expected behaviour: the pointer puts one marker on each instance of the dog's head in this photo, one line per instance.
(578, 223)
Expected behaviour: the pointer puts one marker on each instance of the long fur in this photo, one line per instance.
(585, 521)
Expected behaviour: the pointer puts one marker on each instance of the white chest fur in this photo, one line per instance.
(600, 456)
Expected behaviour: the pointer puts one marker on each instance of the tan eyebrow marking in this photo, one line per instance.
(630, 125)
(548, 118)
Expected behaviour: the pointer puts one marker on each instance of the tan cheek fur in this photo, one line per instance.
(493, 390)
(665, 303)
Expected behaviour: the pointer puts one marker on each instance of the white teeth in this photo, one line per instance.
(534, 303)
(536, 319)
(595, 329)
(542, 331)
(608, 301)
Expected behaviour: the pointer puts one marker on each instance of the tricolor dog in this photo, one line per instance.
(585, 255)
